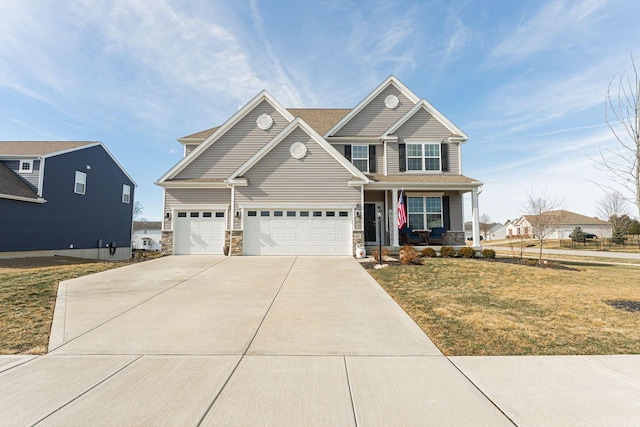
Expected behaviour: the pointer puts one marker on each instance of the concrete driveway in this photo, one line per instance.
(206, 340)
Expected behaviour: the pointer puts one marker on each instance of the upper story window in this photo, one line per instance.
(423, 157)
(126, 193)
(360, 157)
(26, 166)
(81, 183)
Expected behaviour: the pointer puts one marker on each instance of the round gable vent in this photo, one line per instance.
(298, 150)
(264, 122)
(391, 101)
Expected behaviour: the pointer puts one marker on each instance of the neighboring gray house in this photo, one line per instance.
(147, 235)
(64, 198)
(277, 181)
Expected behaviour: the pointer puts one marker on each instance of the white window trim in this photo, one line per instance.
(126, 191)
(29, 162)
(82, 181)
(366, 157)
(424, 212)
(423, 157)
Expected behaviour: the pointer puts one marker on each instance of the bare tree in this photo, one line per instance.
(622, 113)
(485, 225)
(137, 211)
(544, 215)
(613, 208)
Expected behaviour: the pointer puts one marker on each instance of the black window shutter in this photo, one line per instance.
(446, 217)
(402, 153)
(372, 158)
(347, 152)
(444, 152)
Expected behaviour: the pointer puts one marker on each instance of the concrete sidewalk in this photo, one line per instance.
(207, 340)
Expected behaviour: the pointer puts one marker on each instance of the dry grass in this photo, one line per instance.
(28, 289)
(474, 307)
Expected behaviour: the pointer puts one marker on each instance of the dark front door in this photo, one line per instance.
(370, 228)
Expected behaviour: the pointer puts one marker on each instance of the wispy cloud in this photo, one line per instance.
(557, 25)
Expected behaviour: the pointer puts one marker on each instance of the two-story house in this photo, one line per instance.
(278, 181)
(64, 198)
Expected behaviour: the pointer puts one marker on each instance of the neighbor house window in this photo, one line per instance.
(424, 212)
(423, 157)
(360, 157)
(26, 166)
(81, 183)
(126, 193)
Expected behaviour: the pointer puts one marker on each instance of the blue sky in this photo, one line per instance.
(526, 80)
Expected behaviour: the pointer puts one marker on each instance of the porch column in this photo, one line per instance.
(394, 225)
(475, 223)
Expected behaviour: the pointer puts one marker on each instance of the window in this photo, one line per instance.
(360, 157)
(81, 183)
(344, 213)
(304, 213)
(291, 213)
(182, 214)
(126, 193)
(206, 214)
(423, 157)
(194, 214)
(330, 213)
(317, 213)
(26, 166)
(277, 213)
(252, 213)
(264, 213)
(424, 212)
(219, 214)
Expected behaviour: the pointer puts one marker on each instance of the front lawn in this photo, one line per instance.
(478, 307)
(28, 289)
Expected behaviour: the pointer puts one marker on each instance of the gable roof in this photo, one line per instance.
(221, 130)
(320, 119)
(424, 104)
(39, 148)
(295, 124)
(391, 80)
(12, 187)
(147, 225)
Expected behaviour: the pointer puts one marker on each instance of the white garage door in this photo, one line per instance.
(199, 232)
(297, 232)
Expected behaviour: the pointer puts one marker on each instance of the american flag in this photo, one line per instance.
(402, 212)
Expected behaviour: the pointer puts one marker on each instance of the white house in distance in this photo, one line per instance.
(521, 227)
(496, 231)
(147, 235)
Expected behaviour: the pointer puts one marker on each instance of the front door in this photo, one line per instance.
(370, 229)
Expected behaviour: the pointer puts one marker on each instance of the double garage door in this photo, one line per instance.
(297, 232)
(267, 232)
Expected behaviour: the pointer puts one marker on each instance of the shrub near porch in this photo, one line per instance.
(477, 307)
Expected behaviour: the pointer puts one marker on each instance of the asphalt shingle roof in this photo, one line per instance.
(38, 148)
(12, 185)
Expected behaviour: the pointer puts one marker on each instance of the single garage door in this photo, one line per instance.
(198, 232)
(297, 232)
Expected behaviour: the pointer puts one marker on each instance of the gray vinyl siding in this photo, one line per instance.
(316, 178)
(375, 118)
(32, 179)
(393, 160)
(188, 148)
(236, 146)
(455, 211)
(176, 197)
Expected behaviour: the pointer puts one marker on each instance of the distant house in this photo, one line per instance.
(496, 231)
(64, 198)
(147, 235)
(521, 227)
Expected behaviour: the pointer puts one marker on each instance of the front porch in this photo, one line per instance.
(428, 206)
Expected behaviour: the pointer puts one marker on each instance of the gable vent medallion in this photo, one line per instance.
(264, 122)
(298, 150)
(391, 102)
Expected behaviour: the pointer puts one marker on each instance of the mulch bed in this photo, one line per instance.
(519, 261)
(632, 306)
